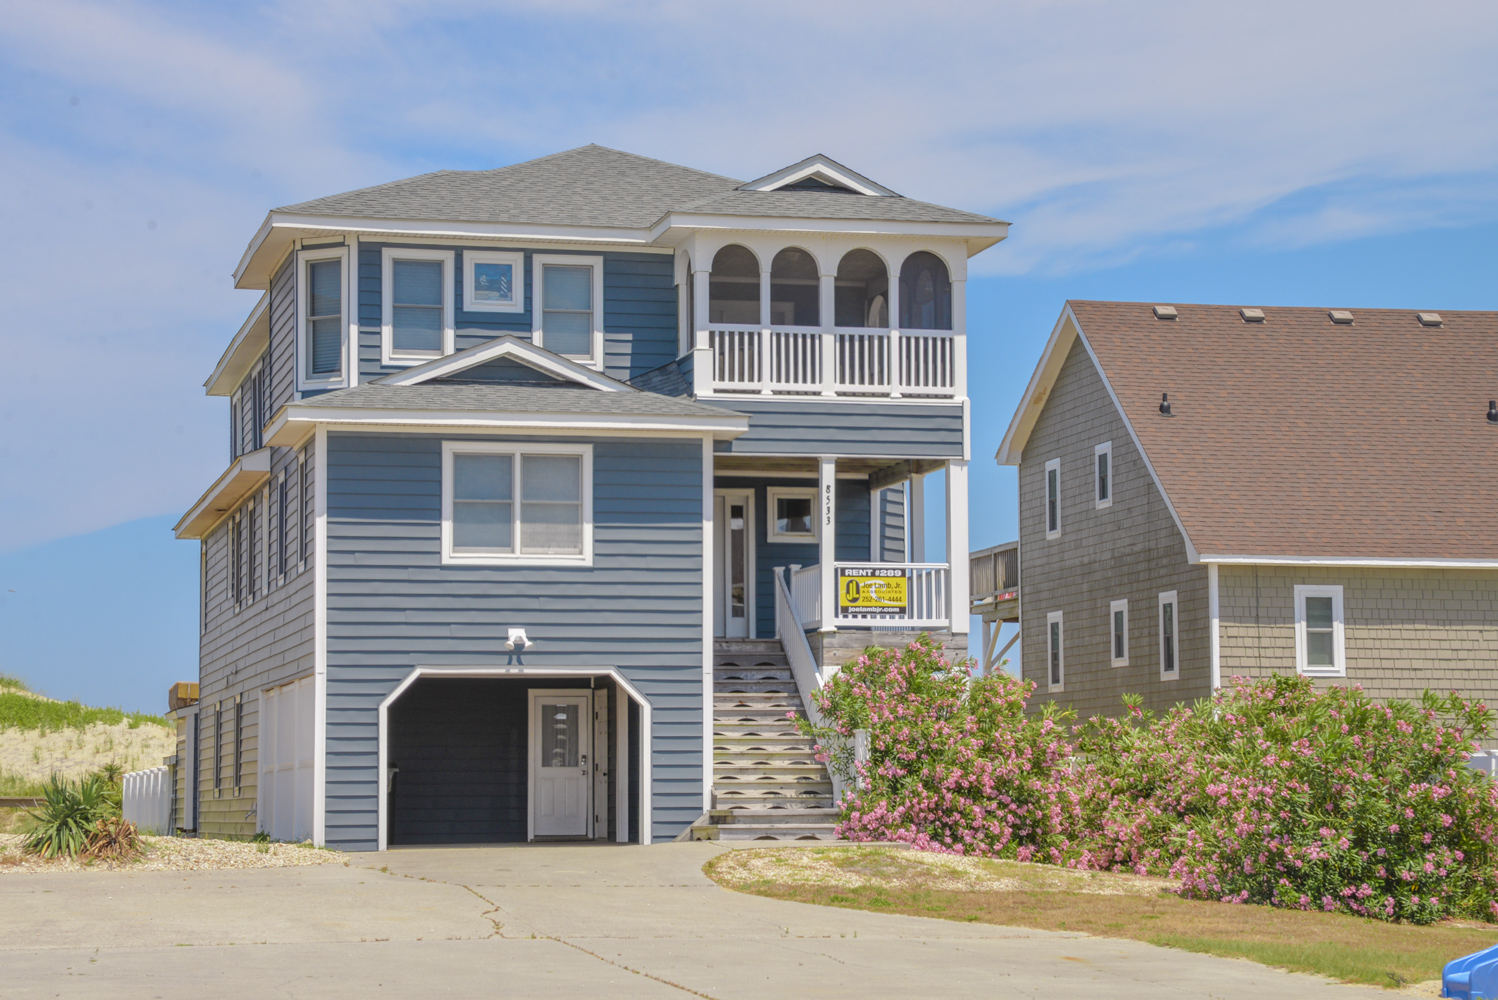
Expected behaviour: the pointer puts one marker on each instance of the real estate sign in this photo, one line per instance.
(873, 590)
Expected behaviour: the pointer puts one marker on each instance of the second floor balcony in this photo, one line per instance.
(836, 362)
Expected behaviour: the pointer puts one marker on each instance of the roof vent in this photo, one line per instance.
(1165, 404)
(1252, 315)
(1429, 319)
(1340, 316)
(1493, 411)
(1165, 312)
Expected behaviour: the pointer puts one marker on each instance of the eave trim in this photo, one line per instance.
(242, 478)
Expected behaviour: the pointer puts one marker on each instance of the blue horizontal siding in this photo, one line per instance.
(393, 606)
(797, 426)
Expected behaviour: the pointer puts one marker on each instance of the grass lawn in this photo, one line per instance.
(885, 880)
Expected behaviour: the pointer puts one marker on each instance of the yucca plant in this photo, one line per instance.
(114, 838)
(67, 816)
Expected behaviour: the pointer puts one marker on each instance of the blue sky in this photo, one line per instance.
(1269, 153)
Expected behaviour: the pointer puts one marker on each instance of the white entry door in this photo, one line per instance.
(561, 765)
(733, 530)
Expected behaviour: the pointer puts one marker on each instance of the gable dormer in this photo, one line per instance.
(507, 360)
(819, 173)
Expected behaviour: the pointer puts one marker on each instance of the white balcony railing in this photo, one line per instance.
(833, 362)
(919, 601)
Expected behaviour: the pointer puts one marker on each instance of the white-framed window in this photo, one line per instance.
(1320, 639)
(1053, 498)
(493, 281)
(567, 306)
(504, 504)
(792, 513)
(323, 317)
(1055, 652)
(416, 305)
(1118, 633)
(1170, 636)
(1102, 475)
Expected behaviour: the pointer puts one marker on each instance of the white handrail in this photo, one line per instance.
(833, 360)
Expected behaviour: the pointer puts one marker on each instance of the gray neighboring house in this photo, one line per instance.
(531, 470)
(1213, 491)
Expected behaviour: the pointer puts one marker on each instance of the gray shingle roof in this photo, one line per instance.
(597, 186)
(501, 398)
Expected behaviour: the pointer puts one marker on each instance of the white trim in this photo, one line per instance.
(516, 450)
(388, 257)
(824, 168)
(1106, 448)
(243, 477)
(1339, 631)
(320, 644)
(1214, 612)
(709, 578)
(289, 429)
(1114, 607)
(1371, 562)
(508, 346)
(745, 494)
(622, 750)
(533, 754)
(231, 368)
(349, 321)
(978, 236)
(1169, 597)
(825, 510)
(539, 263)
(772, 534)
(1055, 648)
(1052, 466)
(516, 260)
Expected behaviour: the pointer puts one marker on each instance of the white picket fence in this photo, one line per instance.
(148, 800)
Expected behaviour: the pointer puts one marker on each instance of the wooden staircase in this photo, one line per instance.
(767, 782)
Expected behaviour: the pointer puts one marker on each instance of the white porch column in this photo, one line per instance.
(827, 538)
(959, 338)
(764, 331)
(957, 545)
(1214, 610)
(702, 347)
(915, 518)
(827, 293)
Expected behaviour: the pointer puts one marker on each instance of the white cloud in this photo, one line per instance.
(1103, 130)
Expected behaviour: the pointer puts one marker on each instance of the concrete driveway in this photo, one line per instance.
(546, 921)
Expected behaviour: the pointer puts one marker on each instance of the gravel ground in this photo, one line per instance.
(167, 854)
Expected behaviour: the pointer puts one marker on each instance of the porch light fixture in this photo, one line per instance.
(1339, 316)
(1493, 411)
(1252, 315)
(1165, 312)
(518, 640)
(1165, 404)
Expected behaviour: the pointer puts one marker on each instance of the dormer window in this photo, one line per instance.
(416, 305)
(322, 317)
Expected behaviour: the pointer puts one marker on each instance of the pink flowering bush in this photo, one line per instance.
(1271, 793)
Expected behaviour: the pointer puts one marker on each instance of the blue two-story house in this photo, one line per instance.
(531, 470)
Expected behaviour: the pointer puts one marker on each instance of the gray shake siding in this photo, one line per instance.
(1131, 550)
(1406, 630)
(797, 426)
(263, 641)
(393, 606)
(639, 310)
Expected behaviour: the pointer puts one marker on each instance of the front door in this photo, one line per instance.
(561, 778)
(733, 530)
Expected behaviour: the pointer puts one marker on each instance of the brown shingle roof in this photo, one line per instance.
(1299, 437)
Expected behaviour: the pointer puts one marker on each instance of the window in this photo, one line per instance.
(733, 289)
(322, 320)
(1102, 464)
(793, 515)
(1055, 657)
(1118, 626)
(1320, 639)
(506, 503)
(795, 289)
(493, 281)
(861, 291)
(1170, 640)
(567, 311)
(925, 293)
(1053, 498)
(416, 303)
(307, 504)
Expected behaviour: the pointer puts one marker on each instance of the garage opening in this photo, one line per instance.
(495, 760)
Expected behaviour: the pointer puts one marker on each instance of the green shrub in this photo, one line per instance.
(19, 711)
(67, 817)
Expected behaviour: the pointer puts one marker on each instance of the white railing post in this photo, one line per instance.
(703, 362)
(957, 554)
(896, 364)
(827, 539)
(766, 361)
(959, 338)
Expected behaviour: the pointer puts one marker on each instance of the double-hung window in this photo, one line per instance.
(416, 322)
(1055, 653)
(1053, 498)
(322, 317)
(567, 306)
(1118, 632)
(507, 503)
(1102, 480)
(493, 281)
(1320, 640)
(1170, 636)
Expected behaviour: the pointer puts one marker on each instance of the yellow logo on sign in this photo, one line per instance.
(871, 593)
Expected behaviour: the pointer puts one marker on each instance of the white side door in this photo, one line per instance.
(285, 795)
(561, 763)
(733, 531)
